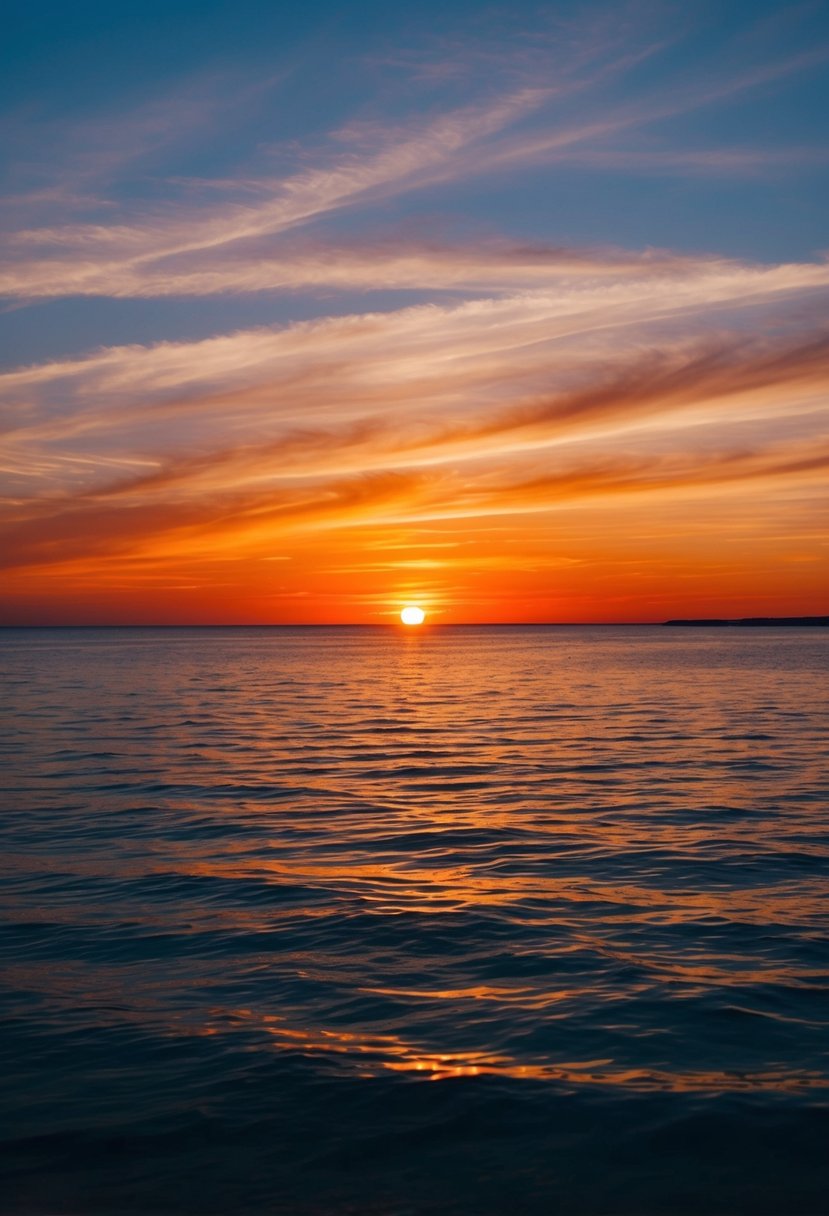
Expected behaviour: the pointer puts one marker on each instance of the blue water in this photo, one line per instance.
(464, 921)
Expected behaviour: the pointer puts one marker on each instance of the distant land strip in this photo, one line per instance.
(756, 620)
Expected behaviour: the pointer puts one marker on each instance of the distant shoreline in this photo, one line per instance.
(755, 621)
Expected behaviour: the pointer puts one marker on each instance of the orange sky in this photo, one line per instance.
(542, 457)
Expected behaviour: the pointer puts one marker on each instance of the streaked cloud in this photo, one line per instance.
(235, 241)
(634, 408)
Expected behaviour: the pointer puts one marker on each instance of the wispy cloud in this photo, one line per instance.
(94, 254)
(669, 418)
(236, 241)
(344, 366)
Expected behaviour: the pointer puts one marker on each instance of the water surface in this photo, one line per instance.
(460, 921)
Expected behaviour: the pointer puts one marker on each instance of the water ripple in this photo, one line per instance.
(262, 886)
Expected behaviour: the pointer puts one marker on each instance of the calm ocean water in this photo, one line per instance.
(467, 921)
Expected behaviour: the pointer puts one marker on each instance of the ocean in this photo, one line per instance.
(458, 921)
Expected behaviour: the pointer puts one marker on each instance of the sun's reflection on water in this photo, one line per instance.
(369, 1055)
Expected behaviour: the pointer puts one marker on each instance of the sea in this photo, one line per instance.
(439, 922)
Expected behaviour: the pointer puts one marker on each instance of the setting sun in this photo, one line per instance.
(412, 615)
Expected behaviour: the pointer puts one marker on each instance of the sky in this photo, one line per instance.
(518, 313)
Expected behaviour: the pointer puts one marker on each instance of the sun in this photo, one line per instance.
(412, 615)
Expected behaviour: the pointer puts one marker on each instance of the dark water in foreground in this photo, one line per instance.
(472, 921)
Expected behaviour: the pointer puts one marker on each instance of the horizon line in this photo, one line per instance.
(813, 619)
